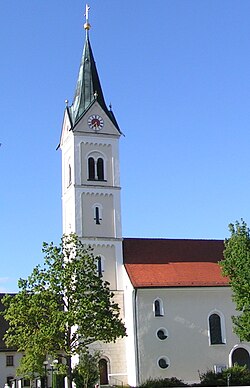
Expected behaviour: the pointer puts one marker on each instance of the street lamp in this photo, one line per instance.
(45, 364)
(53, 367)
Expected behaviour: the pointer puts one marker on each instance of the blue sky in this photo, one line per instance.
(177, 73)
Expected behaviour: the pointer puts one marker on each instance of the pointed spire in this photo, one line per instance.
(88, 88)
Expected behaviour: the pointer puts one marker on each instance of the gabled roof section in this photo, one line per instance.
(88, 87)
(173, 263)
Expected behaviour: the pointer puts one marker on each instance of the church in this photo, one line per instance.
(173, 298)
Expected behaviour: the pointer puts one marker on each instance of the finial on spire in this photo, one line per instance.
(86, 24)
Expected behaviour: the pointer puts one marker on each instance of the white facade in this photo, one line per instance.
(92, 210)
(175, 342)
(185, 320)
(9, 362)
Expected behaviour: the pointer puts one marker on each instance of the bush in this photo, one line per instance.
(86, 373)
(160, 383)
(238, 375)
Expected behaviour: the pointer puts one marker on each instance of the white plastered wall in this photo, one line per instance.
(185, 318)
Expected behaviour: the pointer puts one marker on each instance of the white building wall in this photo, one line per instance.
(80, 199)
(8, 371)
(115, 353)
(185, 318)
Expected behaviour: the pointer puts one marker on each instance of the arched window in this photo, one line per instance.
(97, 213)
(96, 168)
(215, 329)
(241, 357)
(100, 265)
(158, 308)
(70, 175)
(100, 169)
(91, 169)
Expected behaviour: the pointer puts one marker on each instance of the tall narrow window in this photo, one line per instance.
(100, 169)
(99, 266)
(97, 216)
(91, 169)
(70, 175)
(215, 329)
(158, 308)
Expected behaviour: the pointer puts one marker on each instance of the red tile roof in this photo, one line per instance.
(173, 263)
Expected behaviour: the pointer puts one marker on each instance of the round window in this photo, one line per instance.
(163, 363)
(162, 334)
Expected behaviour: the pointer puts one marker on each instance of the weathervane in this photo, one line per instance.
(86, 24)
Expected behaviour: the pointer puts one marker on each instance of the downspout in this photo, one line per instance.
(136, 339)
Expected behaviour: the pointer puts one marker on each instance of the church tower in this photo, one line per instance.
(90, 170)
(91, 191)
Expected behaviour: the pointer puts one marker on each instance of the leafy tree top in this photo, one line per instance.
(236, 265)
(63, 306)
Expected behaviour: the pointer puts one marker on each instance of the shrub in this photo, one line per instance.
(237, 375)
(160, 383)
(86, 373)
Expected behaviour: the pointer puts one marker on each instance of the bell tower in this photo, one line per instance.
(90, 169)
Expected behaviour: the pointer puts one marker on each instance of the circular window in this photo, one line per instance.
(163, 363)
(162, 334)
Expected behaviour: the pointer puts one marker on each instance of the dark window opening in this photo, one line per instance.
(161, 334)
(97, 216)
(9, 360)
(215, 329)
(241, 357)
(99, 266)
(70, 176)
(163, 363)
(9, 380)
(100, 169)
(158, 312)
(91, 169)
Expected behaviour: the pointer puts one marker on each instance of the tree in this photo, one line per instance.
(61, 308)
(86, 373)
(236, 265)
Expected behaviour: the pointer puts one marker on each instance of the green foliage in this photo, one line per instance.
(237, 375)
(60, 302)
(236, 265)
(160, 383)
(86, 373)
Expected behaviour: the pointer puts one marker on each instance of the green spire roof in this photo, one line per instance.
(88, 87)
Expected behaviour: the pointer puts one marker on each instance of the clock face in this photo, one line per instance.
(95, 122)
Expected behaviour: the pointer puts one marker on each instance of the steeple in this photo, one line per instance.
(88, 87)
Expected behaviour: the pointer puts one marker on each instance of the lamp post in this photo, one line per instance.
(53, 367)
(45, 364)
